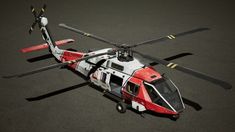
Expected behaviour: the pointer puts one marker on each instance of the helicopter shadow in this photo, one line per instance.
(192, 104)
(57, 92)
(47, 95)
(46, 56)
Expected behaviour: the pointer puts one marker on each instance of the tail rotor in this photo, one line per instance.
(37, 17)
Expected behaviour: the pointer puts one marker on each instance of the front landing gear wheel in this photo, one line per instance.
(175, 117)
(121, 107)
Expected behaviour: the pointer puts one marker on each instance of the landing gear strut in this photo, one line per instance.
(175, 117)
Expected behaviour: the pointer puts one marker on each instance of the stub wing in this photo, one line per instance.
(45, 45)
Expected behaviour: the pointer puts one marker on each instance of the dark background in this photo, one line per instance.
(85, 109)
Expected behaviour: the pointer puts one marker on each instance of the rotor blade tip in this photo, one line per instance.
(61, 24)
(29, 99)
(188, 53)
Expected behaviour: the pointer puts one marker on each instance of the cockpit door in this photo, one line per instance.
(131, 91)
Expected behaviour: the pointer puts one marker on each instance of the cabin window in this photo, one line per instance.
(116, 66)
(103, 78)
(132, 88)
(115, 81)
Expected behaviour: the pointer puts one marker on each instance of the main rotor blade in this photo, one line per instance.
(192, 72)
(172, 58)
(89, 35)
(56, 65)
(169, 37)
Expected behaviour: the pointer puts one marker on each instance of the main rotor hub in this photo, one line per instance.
(44, 21)
(125, 46)
(125, 53)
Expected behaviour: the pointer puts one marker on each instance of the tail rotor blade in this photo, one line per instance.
(32, 27)
(42, 10)
(33, 11)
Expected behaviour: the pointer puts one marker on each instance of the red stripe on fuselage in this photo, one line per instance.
(70, 55)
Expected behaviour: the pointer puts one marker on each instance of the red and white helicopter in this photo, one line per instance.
(121, 75)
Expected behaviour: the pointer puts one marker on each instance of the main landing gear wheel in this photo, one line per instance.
(121, 107)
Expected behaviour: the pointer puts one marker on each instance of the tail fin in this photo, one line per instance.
(45, 46)
(42, 22)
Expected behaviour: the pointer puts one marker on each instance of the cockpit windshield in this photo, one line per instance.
(165, 94)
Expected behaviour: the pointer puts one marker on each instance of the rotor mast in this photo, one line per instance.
(124, 53)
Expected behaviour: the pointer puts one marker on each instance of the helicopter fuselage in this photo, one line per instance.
(127, 80)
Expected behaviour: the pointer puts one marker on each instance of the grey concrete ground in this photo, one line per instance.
(84, 108)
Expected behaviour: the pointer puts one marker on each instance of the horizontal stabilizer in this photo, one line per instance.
(45, 45)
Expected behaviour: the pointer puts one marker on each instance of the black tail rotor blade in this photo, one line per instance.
(33, 11)
(88, 35)
(42, 10)
(57, 65)
(35, 22)
(189, 71)
(32, 27)
(169, 37)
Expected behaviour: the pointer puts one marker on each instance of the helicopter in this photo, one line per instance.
(122, 76)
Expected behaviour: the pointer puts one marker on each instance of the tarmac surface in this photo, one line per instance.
(83, 108)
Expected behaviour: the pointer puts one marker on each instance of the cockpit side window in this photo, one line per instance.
(132, 88)
(152, 93)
